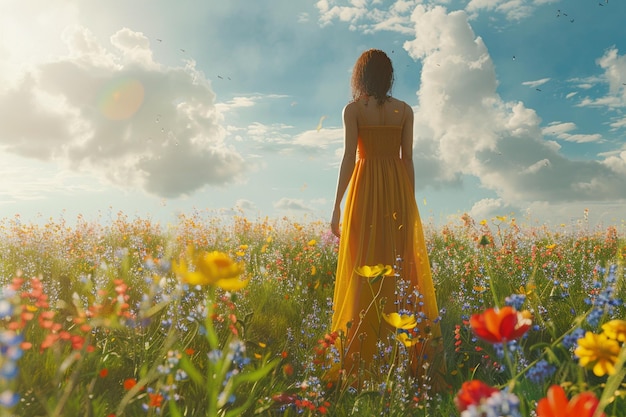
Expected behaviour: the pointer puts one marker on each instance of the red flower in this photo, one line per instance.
(555, 404)
(129, 383)
(472, 393)
(500, 325)
(103, 373)
(156, 400)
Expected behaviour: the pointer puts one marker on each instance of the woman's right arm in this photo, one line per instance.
(347, 163)
(407, 145)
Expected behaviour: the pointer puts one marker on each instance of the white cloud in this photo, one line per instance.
(246, 101)
(463, 127)
(488, 208)
(511, 9)
(121, 116)
(561, 131)
(245, 205)
(614, 66)
(292, 204)
(368, 17)
(536, 83)
(319, 139)
(617, 162)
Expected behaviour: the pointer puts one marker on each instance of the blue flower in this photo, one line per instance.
(541, 372)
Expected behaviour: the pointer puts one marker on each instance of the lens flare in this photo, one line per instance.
(121, 98)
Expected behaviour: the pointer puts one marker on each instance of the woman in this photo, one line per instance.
(381, 225)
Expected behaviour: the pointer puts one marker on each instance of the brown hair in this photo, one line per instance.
(372, 75)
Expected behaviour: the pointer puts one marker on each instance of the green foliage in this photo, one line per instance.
(112, 331)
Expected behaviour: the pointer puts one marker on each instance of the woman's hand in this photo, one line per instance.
(334, 222)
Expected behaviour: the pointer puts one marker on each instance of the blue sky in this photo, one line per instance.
(154, 108)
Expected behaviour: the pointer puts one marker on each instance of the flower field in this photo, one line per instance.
(230, 317)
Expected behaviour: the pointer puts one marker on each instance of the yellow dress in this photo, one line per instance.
(381, 225)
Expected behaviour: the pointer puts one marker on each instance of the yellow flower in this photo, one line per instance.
(312, 242)
(552, 246)
(407, 340)
(211, 268)
(374, 271)
(313, 270)
(615, 329)
(597, 352)
(399, 321)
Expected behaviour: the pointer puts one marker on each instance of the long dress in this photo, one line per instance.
(381, 225)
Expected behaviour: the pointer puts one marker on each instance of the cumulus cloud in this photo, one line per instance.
(368, 17)
(614, 66)
(463, 127)
(113, 111)
(292, 204)
(488, 208)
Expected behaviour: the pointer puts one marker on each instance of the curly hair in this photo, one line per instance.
(372, 75)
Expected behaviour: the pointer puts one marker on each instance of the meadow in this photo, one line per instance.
(228, 317)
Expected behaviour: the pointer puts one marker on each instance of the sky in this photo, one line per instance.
(155, 108)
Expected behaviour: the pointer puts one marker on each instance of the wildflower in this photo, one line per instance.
(400, 321)
(571, 339)
(500, 325)
(129, 383)
(406, 339)
(8, 398)
(211, 268)
(555, 404)
(156, 400)
(598, 352)
(515, 300)
(473, 392)
(374, 271)
(541, 372)
(498, 404)
(615, 329)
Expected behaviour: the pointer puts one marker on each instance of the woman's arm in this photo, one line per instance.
(407, 145)
(347, 163)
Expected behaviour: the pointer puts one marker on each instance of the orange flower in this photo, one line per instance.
(103, 373)
(472, 393)
(129, 383)
(500, 325)
(156, 400)
(555, 404)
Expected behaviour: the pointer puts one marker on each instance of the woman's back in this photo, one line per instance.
(370, 113)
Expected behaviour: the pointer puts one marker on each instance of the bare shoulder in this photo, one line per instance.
(400, 104)
(350, 110)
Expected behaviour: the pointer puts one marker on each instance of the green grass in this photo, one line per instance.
(146, 327)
